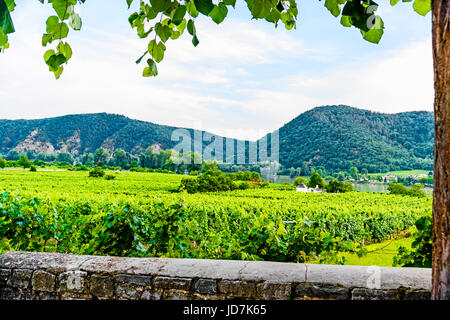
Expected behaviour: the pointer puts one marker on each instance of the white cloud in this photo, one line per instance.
(212, 86)
(102, 75)
(397, 81)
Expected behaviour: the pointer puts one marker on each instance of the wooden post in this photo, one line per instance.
(441, 196)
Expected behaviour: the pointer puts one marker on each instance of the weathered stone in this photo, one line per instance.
(75, 296)
(151, 295)
(206, 286)
(20, 278)
(371, 277)
(73, 281)
(375, 294)
(417, 295)
(238, 288)
(199, 268)
(47, 296)
(134, 279)
(4, 274)
(321, 291)
(40, 295)
(52, 262)
(10, 294)
(412, 278)
(117, 265)
(344, 276)
(101, 286)
(157, 278)
(127, 291)
(173, 294)
(43, 281)
(269, 290)
(172, 283)
(199, 296)
(272, 271)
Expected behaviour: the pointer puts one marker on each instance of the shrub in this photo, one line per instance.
(245, 176)
(81, 168)
(189, 184)
(23, 161)
(335, 186)
(96, 172)
(110, 177)
(2, 163)
(243, 185)
(414, 191)
(420, 253)
(316, 180)
(39, 163)
(286, 186)
(33, 169)
(300, 180)
(209, 181)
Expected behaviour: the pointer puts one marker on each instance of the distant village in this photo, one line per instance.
(421, 178)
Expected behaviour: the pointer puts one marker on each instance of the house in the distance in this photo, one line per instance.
(303, 188)
(390, 177)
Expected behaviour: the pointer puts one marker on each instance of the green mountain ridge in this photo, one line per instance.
(338, 137)
(334, 137)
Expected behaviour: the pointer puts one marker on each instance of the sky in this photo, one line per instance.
(246, 78)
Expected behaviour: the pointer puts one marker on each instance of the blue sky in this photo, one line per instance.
(245, 78)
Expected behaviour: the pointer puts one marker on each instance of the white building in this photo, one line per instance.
(303, 188)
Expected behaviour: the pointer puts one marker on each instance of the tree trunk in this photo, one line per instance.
(441, 196)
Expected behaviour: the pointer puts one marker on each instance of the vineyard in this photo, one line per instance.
(141, 214)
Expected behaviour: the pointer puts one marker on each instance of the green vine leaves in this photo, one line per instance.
(6, 24)
(166, 19)
(162, 20)
(57, 28)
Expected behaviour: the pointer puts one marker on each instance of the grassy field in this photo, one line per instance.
(379, 254)
(60, 184)
(403, 173)
(75, 211)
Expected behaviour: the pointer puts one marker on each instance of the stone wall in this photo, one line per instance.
(26, 275)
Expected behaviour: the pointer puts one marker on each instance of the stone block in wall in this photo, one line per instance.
(157, 278)
(307, 290)
(7, 293)
(4, 275)
(155, 294)
(43, 281)
(75, 296)
(417, 295)
(375, 294)
(199, 296)
(20, 278)
(174, 294)
(137, 280)
(269, 290)
(237, 288)
(125, 291)
(206, 286)
(172, 283)
(43, 296)
(73, 281)
(101, 286)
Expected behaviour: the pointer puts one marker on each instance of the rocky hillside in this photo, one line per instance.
(335, 137)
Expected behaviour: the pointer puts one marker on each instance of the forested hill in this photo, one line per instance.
(335, 137)
(338, 137)
(82, 133)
